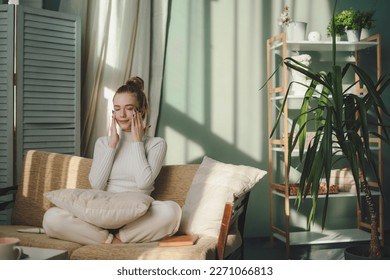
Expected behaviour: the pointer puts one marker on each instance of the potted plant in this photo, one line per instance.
(351, 20)
(338, 27)
(295, 30)
(340, 120)
(367, 20)
(367, 23)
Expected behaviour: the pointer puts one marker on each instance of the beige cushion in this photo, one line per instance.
(101, 208)
(214, 184)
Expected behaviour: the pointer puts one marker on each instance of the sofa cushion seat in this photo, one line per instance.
(37, 240)
(203, 249)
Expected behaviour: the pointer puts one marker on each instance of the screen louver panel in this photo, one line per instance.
(48, 81)
(6, 95)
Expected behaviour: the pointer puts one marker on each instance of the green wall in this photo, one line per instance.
(215, 64)
(211, 104)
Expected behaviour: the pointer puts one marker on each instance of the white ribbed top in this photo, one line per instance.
(132, 166)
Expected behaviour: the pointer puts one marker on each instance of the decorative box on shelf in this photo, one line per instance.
(333, 189)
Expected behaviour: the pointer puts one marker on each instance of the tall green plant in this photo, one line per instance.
(341, 132)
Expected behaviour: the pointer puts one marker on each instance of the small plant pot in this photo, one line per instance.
(360, 252)
(296, 31)
(365, 33)
(353, 35)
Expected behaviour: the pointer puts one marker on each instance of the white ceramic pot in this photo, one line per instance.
(353, 35)
(364, 34)
(296, 31)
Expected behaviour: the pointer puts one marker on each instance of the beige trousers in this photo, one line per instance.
(162, 219)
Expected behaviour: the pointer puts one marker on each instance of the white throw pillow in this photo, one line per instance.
(214, 184)
(101, 208)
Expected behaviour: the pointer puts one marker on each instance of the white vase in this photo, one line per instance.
(364, 34)
(353, 35)
(296, 31)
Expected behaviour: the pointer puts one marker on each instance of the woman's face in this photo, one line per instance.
(124, 106)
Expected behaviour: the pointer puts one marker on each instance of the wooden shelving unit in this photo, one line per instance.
(279, 48)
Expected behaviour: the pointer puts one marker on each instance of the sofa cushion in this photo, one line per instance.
(101, 208)
(214, 184)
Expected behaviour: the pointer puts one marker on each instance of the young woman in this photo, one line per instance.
(129, 162)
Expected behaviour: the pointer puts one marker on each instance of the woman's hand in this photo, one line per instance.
(114, 137)
(138, 129)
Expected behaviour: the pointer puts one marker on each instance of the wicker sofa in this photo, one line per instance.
(44, 171)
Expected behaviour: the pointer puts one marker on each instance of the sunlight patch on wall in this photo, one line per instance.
(185, 90)
(180, 149)
(221, 115)
(195, 152)
(251, 133)
(223, 77)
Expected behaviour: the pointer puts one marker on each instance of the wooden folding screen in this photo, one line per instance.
(44, 48)
(48, 82)
(6, 95)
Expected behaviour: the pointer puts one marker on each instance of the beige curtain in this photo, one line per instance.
(121, 38)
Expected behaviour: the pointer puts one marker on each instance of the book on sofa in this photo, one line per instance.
(178, 240)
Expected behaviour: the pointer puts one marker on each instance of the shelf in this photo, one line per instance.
(336, 195)
(324, 46)
(295, 152)
(300, 96)
(290, 96)
(278, 49)
(325, 237)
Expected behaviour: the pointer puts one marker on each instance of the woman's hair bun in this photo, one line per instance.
(136, 81)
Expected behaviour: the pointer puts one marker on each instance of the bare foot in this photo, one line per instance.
(116, 240)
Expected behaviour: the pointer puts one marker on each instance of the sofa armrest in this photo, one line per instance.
(234, 212)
